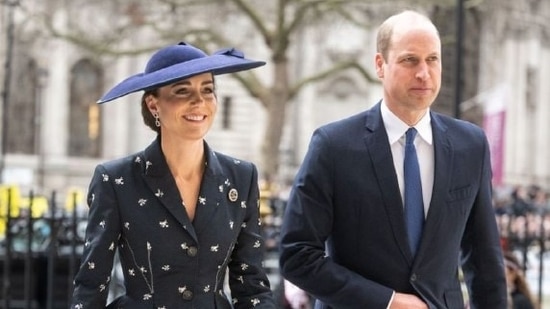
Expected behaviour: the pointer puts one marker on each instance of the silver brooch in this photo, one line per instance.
(233, 195)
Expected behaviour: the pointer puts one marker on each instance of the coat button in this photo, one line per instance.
(192, 251)
(413, 277)
(187, 295)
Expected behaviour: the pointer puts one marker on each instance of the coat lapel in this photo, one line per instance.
(213, 187)
(382, 160)
(159, 179)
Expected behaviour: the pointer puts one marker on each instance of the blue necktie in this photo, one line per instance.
(414, 205)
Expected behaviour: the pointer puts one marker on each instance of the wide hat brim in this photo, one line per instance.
(178, 62)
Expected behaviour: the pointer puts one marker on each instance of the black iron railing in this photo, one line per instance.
(39, 254)
(528, 236)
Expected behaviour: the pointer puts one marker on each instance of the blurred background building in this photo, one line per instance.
(59, 58)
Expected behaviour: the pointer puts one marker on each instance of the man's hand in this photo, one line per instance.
(407, 301)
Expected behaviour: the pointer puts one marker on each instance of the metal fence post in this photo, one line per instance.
(52, 252)
(28, 282)
(72, 257)
(7, 253)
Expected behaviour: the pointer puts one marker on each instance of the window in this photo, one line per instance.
(85, 115)
(22, 133)
(226, 113)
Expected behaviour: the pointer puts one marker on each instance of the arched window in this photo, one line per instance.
(85, 117)
(22, 135)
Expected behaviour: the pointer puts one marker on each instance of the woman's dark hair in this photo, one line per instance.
(148, 118)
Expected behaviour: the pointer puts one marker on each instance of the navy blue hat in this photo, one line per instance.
(178, 62)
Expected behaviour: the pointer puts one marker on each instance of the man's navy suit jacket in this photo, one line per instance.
(344, 238)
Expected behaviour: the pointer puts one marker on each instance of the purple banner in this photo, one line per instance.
(494, 126)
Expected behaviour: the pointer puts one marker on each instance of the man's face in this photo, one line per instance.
(411, 74)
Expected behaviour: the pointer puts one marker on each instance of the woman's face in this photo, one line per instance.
(186, 108)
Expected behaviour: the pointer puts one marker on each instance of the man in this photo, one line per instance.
(345, 236)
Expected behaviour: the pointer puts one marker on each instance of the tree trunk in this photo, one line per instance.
(276, 104)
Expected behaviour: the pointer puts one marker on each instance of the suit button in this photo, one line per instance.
(192, 251)
(187, 295)
(413, 277)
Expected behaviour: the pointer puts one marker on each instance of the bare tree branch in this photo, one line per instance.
(255, 19)
(336, 68)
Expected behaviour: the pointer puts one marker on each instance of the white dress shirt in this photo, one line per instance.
(423, 143)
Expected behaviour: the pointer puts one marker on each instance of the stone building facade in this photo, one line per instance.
(56, 134)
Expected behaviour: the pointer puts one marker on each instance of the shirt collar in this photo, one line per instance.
(396, 128)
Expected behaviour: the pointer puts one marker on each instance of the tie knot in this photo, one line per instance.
(410, 135)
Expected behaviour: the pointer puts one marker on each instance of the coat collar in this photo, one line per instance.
(160, 181)
(155, 164)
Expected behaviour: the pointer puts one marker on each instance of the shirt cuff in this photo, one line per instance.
(391, 300)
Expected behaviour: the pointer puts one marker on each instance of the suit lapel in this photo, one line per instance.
(380, 154)
(443, 159)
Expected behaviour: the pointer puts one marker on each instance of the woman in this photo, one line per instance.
(181, 215)
(520, 294)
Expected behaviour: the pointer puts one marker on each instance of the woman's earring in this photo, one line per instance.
(157, 121)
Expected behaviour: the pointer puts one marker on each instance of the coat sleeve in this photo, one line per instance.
(91, 284)
(483, 262)
(307, 225)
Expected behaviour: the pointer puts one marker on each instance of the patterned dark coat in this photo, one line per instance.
(168, 261)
